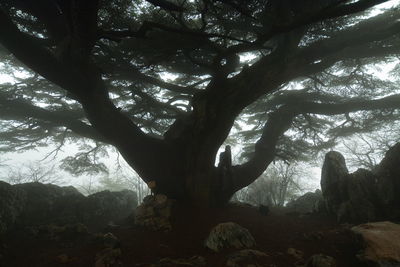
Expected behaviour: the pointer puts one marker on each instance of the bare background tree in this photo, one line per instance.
(367, 150)
(34, 171)
(281, 183)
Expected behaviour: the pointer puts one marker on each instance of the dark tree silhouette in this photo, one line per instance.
(164, 81)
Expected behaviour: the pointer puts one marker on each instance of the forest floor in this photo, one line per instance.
(274, 233)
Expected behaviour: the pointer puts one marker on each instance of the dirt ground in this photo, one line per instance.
(274, 233)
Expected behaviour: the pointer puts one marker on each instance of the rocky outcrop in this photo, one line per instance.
(381, 243)
(12, 201)
(34, 204)
(229, 235)
(333, 177)
(364, 195)
(388, 184)
(308, 203)
(106, 207)
(48, 203)
(155, 213)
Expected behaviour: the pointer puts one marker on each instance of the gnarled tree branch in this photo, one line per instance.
(280, 120)
(18, 109)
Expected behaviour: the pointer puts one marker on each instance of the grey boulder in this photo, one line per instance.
(229, 235)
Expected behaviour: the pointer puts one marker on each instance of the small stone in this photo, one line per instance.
(297, 254)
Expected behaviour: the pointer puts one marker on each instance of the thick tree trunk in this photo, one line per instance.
(211, 186)
(190, 179)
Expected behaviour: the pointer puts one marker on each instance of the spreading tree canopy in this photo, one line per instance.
(165, 81)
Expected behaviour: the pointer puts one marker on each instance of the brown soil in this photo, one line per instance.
(274, 234)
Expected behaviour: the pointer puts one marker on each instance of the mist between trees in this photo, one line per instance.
(281, 183)
(278, 185)
(42, 168)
